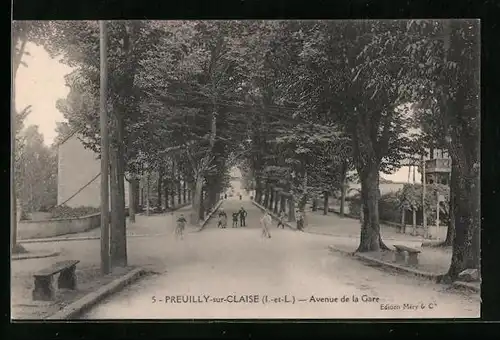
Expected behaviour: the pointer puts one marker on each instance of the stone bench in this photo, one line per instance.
(43, 279)
(412, 254)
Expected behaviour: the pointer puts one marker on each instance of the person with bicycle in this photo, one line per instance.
(181, 225)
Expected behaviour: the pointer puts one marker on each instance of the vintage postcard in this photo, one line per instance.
(247, 169)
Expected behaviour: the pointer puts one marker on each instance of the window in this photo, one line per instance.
(431, 181)
(444, 181)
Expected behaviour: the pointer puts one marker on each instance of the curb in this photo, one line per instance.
(466, 286)
(78, 307)
(273, 215)
(169, 210)
(28, 256)
(203, 224)
(415, 272)
(85, 238)
(341, 251)
(357, 236)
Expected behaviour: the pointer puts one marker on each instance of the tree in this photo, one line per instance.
(78, 43)
(445, 77)
(336, 61)
(22, 33)
(200, 65)
(36, 181)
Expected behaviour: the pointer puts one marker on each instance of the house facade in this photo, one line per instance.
(78, 177)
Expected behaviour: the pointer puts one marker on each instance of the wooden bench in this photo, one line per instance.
(412, 254)
(43, 279)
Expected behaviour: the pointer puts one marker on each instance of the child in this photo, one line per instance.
(235, 219)
(281, 220)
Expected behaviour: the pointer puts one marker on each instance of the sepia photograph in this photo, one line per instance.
(245, 169)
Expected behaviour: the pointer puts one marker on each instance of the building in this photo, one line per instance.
(437, 167)
(78, 175)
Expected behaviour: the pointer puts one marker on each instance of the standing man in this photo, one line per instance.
(265, 222)
(243, 216)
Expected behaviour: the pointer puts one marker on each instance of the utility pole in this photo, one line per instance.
(437, 215)
(105, 256)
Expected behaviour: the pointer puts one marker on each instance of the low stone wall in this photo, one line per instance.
(56, 227)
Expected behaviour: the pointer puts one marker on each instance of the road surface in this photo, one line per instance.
(234, 273)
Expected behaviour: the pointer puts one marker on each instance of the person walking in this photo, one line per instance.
(265, 222)
(222, 219)
(300, 221)
(243, 216)
(235, 219)
(181, 225)
(281, 220)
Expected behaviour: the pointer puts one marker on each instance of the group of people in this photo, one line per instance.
(238, 216)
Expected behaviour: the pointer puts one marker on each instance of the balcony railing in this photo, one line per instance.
(438, 165)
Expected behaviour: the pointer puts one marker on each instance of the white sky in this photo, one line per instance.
(41, 84)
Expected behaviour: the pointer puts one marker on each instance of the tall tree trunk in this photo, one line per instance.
(450, 232)
(211, 196)
(17, 57)
(271, 199)
(197, 199)
(258, 190)
(136, 194)
(314, 206)
(283, 202)
(166, 193)
(202, 204)
(303, 199)
(159, 189)
(266, 197)
(179, 192)
(343, 188)
(325, 202)
(370, 239)
(118, 233)
(172, 193)
(276, 201)
(291, 208)
(462, 115)
(13, 199)
(184, 189)
(466, 243)
(131, 199)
